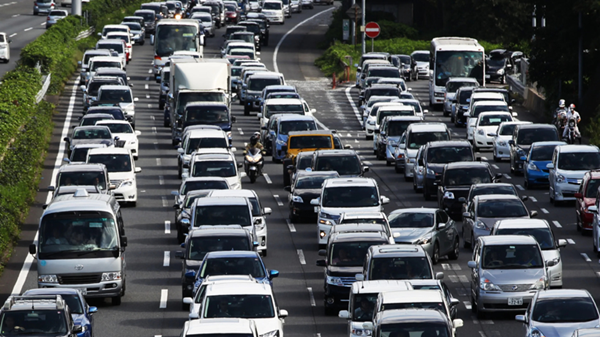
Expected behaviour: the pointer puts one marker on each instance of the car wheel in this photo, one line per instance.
(387, 162)
(246, 110)
(451, 118)
(496, 159)
(264, 253)
(475, 148)
(180, 236)
(116, 300)
(397, 169)
(526, 185)
(465, 243)
(435, 257)
(453, 255)
(446, 114)
(473, 305)
(472, 240)
(426, 194)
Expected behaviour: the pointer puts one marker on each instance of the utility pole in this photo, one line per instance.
(354, 25)
(364, 12)
(76, 7)
(580, 57)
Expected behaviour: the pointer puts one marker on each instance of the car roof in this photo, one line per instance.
(100, 115)
(337, 152)
(489, 103)
(75, 167)
(340, 182)
(412, 315)
(212, 178)
(294, 117)
(280, 87)
(216, 326)
(207, 133)
(266, 74)
(397, 250)
(467, 164)
(572, 148)
(377, 237)
(415, 210)
(432, 295)
(462, 79)
(191, 104)
(304, 173)
(394, 107)
(486, 94)
(234, 193)
(427, 127)
(377, 286)
(449, 143)
(238, 288)
(508, 240)
(311, 132)
(222, 254)
(106, 58)
(358, 228)
(486, 185)
(91, 127)
(215, 201)
(494, 113)
(109, 150)
(404, 118)
(547, 143)
(81, 201)
(492, 197)
(52, 291)
(363, 215)
(115, 87)
(283, 101)
(110, 71)
(535, 126)
(563, 293)
(111, 121)
(522, 223)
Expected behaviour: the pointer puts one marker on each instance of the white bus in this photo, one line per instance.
(174, 35)
(453, 57)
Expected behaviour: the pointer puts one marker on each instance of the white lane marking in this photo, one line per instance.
(348, 135)
(571, 241)
(312, 297)
(146, 86)
(482, 334)
(467, 304)
(150, 71)
(241, 132)
(453, 278)
(161, 180)
(267, 178)
(353, 106)
(152, 117)
(456, 266)
(507, 176)
(445, 266)
(11, 35)
(149, 106)
(533, 199)
(164, 294)
(586, 257)
(158, 162)
(288, 33)
(43, 23)
(167, 258)
(18, 287)
(27, 29)
(165, 202)
(291, 226)
(463, 278)
(279, 203)
(301, 256)
(557, 224)
(495, 166)
(545, 211)
(520, 188)
(154, 129)
(17, 15)
(167, 227)
(147, 96)
(356, 140)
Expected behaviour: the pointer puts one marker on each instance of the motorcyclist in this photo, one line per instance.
(572, 114)
(254, 142)
(560, 111)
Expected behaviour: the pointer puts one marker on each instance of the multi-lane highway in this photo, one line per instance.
(152, 303)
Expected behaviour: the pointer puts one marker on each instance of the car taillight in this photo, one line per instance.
(156, 57)
(48, 19)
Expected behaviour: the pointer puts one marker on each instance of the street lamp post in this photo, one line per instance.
(364, 11)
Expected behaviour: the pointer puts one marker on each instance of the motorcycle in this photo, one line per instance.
(572, 133)
(253, 163)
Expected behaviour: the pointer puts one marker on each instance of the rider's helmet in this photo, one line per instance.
(572, 106)
(254, 138)
(561, 103)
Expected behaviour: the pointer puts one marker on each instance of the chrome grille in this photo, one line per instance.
(347, 281)
(515, 287)
(79, 278)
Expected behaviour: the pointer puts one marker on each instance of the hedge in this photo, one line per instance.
(25, 126)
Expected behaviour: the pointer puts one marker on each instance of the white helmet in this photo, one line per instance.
(561, 103)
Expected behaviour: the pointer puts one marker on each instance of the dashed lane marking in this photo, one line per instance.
(27, 29)
(291, 226)
(495, 166)
(167, 227)
(154, 129)
(368, 163)
(164, 294)
(152, 117)
(453, 278)
(467, 304)
(520, 188)
(312, 297)
(11, 35)
(241, 132)
(507, 176)
(301, 256)
(158, 162)
(146, 87)
(267, 178)
(557, 224)
(571, 241)
(533, 199)
(545, 211)
(17, 15)
(150, 71)
(586, 257)
(279, 203)
(161, 180)
(147, 96)
(463, 278)
(167, 259)
(165, 202)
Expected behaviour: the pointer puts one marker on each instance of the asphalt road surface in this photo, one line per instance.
(152, 304)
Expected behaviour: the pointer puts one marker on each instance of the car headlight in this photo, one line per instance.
(371, 122)
(260, 225)
(487, 285)
(481, 225)
(535, 332)
(438, 94)
(325, 222)
(127, 183)
(539, 284)
(336, 281)
(297, 199)
(274, 333)
(501, 143)
(111, 276)
(281, 142)
(361, 332)
(480, 132)
(500, 72)
(560, 178)
(424, 240)
(555, 260)
(48, 278)
(430, 171)
(532, 167)
(448, 195)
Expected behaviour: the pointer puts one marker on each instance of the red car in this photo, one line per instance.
(585, 198)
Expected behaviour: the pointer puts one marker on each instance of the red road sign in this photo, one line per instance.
(372, 30)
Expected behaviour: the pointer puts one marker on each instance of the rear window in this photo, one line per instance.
(530, 135)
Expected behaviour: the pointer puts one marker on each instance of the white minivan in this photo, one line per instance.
(121, 171)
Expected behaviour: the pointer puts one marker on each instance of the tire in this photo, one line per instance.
(329, 311)
(286, 177)
(398, 170)
(435, 257)
(246, 110)
(473, 305)
(116, 300)
(446, 114)
(252, 178)
(496, 159)
(180, 236)
(387, 163)
(456, 250)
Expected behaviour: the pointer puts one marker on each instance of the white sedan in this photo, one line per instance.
(486, 127)
(126, 134)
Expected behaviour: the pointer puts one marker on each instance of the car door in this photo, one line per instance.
(475, 271)
(468, 223)
(445, 235)
(552, 172)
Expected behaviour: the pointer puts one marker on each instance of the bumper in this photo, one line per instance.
(555, 275)
(275, 19)
(408, 167)
(565, 191)
(126, 194)
(483, 141)
(502, 151)
(389, 153)
(498, 301)
(452, 207)
(470, 131)
(436, 100)
(518, 165)
(370, 129)
(336, 296)
(301, 209)
(102, 289)
(278, 154)
(536, 177)
(419, 179)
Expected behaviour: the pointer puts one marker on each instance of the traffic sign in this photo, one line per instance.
(354, 11)
(372, 30)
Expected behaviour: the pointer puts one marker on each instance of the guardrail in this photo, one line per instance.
(40, 95)
(84, 34)
(516, 85)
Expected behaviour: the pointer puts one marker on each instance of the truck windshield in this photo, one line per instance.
(170, 38)
(33, 322)
(206, 115)
(84, 178)
(188, 97)
(74, 234)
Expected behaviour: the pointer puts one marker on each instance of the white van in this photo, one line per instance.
(121, 171)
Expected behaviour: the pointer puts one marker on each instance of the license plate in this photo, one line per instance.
(515, 301)
(487, 77)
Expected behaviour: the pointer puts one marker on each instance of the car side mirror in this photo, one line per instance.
(458, 323)
(259, 115)
(240, 164)
(123, 241)
(511, 142)
(550, 166)
(472, 264)
(112, 187)
(384, 200)
(525, 198)
(267, 211)
(137, 170)
(93, 310)
(439, 276)
(180, 150)
(321, 263)
(593, 209)
(466, 215)
(454, 302)
(441, 225)
(315, 202)
(273, 274)
(188, 300)
(365, 169)
(402, 146)
(561, 243)
(344, 314)
(521, 318)
(283, 313)
(578, 195)
(152, 39)
(533, 214)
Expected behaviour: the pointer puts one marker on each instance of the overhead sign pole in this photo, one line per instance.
(364, 7)
(372, 31)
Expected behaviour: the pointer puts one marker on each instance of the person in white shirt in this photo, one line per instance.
(571, 113)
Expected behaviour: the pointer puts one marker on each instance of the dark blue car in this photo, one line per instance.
(234, 263)
(81, 312)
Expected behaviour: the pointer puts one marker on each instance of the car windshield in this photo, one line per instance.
(531, 135)
(421, 57)
(206, 115)
(478, 109)
(117, 113)
(564, 310)
(395, 112)
(113, 162)
(395, 92)
(384, 72)
(148, 17)
(511, 257)
(349, 254)
(592, 188)
(425, 329)
(170, 38)
(241, 306)
(309, 183)
(493, 189)
(397, 128)
(543, 236)
(454, 85)
(233, 266)
(104, 64)
(440, 306)
(243, 37)
(286, 127)
(417, 139)
(579, 161)
(542, 153)
(87, 178)
(124, 37)
(344, 165)
(57, 13)
(118, 47)
(253, 28)
(467, 176)
(272, 5)
(115, 95)
(501, 208)
(93, 87)
(507, 130)
(400, 268)
(107, 30)
(187, 97)
(493, 120)
(496, 62)
(133, 25)
(34, 322)
(189, 200)
(203, 185)
(453, 63)
(119, 127)
(203, 18)
(311, 142)
(464, 96)
(351, 196)
(302, 162)
(198, 247)
(214, 168)
(411, 220)
(444, 155)
(79, 154)
(222, 215)
(258, 84)
(363, 306)
(92, 133)
(283, 108)
(71, 233)
(92, 120)
(205, 143)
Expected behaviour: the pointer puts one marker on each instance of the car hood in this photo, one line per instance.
(572, 174)
(193, 264)
(411, 153)
(120, 175)
(74, 142)
(339, 210)
(422, 64)
(550, 254)
(79, 319)
(308, 194)
(450, 95)
(437, 168)
(563, 329)
(541, 164)
(513, 276)
(489, 222)
(488, 128)
(409, 234)
(282, 137)
(343, 271)
(125, 136)
(265, 325)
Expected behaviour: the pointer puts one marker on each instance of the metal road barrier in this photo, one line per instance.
(40, 95)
